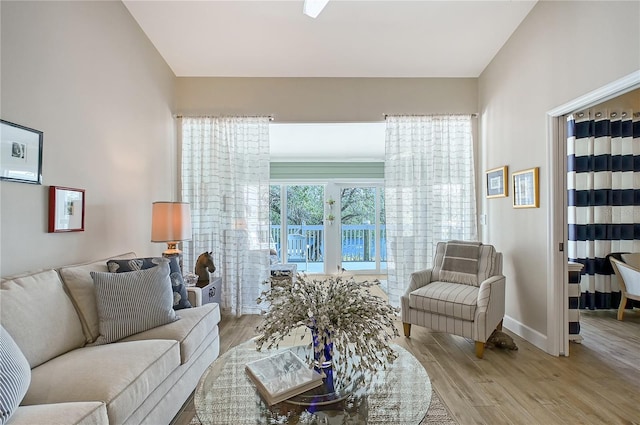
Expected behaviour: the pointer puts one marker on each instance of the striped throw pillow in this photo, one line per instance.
(15, 376)
(180, 298)
(460, 263)
(133, 302)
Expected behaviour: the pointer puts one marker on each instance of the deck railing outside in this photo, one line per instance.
(358, 241)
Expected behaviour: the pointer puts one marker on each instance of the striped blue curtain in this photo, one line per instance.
(603, 182)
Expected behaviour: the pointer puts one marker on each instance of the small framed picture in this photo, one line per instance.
(66, 209)
(20, 153)
(496, 182)
(525, 189)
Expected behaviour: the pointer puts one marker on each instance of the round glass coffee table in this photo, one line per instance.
(401, 394)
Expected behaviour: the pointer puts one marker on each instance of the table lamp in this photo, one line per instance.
(171, 223)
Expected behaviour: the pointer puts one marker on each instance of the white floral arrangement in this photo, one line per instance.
(358, 323)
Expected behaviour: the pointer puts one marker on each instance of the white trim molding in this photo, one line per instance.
(524, 331)
(557, 340)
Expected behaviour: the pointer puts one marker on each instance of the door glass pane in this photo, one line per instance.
(304, 227)
(383, 231)
(275, 219)
(358, 222)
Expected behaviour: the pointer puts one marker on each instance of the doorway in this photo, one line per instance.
(557, 305)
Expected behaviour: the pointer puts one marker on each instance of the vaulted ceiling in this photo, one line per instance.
(385, 38)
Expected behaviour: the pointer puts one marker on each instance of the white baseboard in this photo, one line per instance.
(524, 331)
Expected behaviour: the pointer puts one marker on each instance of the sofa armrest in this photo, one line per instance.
(490, 306)
(72, 413)
(195, 296)
(418, 280)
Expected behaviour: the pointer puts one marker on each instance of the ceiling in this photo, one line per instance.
(384, 38)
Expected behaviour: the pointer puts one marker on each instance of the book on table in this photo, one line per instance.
(282, 376)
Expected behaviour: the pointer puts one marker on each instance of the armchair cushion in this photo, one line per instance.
(487, 263)
(447, 299)
(460, 262)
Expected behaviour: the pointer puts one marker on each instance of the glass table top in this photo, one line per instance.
(401, 394)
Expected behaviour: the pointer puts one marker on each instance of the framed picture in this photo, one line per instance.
(496, 182)
(525, 189)
(20, 153)
(66, 209)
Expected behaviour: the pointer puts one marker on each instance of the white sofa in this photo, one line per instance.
(142, 379)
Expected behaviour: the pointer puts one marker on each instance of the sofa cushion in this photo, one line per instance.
(133, 302)
(446, 298)
(39, 315)
(78, 413)
(15, 375)
(77, 279)
(190, 331)
(180, 298)
(122, 375)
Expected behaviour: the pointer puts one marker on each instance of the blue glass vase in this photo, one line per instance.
(326, 352)
(323, 359)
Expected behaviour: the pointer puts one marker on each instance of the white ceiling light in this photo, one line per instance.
(313, 8)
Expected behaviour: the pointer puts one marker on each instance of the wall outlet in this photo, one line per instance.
(483, 219)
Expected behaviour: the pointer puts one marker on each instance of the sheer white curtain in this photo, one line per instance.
(225, 178)
(429, 191)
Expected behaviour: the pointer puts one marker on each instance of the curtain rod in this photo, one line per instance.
(474, 115)
(177, 116)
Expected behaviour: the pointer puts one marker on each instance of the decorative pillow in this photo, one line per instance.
(15, 376)
(460, 262)
(180, 298)
(129, 303)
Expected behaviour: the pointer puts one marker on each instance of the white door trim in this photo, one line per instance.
(557, 284)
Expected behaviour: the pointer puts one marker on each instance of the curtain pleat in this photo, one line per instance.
(603, 183)
(429, 191)
(225, 178)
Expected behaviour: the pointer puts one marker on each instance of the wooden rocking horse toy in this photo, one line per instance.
(204, 266)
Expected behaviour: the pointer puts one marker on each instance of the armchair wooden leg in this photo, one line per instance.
(479, 349)
(407, 329)
(623, 304)
(499, 327)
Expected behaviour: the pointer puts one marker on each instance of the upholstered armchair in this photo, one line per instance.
(462, 294)
(628, 273)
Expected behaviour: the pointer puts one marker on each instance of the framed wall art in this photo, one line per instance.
(66, 209)
(496, 182)
(20, 153)
(525, 189)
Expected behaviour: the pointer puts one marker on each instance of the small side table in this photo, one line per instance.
(574, 272)
(205, 294)
(280, 272)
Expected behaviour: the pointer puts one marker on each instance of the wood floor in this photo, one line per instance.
(599, 383)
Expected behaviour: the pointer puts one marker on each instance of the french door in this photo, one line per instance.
(362, 228)
(327, 227)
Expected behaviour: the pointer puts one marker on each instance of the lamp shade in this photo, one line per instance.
(170, 222)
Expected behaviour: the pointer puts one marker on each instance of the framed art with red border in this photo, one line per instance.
(66, 209)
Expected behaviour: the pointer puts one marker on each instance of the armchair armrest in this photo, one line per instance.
(630, 282)
(490, 306)
(418, 280)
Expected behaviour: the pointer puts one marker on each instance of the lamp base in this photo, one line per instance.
(171, 252)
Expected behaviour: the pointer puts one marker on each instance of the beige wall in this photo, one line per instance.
(86, 75)
(309, 100)
(561, 51)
